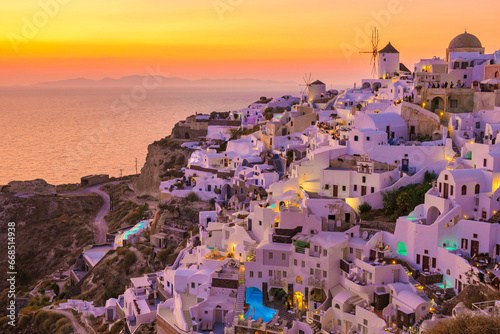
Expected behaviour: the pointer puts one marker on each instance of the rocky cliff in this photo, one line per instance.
(163, 155)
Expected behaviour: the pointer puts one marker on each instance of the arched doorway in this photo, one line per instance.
(402, 248)
(432, 214)
(298, 300)
(278, 295)
(376, 86)
(437, 104)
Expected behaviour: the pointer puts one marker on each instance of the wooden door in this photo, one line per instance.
(445, 192)
(335, 190)
(425, 263)
(363, 190)
(474, 247)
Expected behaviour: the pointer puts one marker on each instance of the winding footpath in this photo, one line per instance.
(101, 228)
(77, 327)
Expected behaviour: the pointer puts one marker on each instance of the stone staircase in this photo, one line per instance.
(187, 317)
(416, 326)
(494, 219)
(455, 148)
(251, 235)
(314, 326)
(240, 299)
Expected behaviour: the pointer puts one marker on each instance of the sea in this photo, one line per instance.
(62, 134)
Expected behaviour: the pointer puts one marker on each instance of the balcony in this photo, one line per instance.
(314, 254)
(316, 283)
(276, 282)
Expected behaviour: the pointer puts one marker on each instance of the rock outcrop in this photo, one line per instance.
(162, 156)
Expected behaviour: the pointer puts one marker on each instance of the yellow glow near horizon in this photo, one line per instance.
(277, 40)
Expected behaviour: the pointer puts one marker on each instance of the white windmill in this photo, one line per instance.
(307, 87)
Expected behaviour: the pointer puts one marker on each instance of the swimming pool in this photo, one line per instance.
(135, 229)
(441, 285)
(253, 297)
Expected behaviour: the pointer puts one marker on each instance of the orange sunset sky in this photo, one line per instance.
(44, 40)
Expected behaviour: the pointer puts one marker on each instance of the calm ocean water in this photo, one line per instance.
(62, 135)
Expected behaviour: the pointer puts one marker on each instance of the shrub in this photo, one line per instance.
(429, 176)
(129, 259)
(364, 208)
(192, 197)
(468, 324)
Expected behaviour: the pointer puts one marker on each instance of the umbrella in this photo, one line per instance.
(493, 81)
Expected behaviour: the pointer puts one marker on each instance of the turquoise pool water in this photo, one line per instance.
(441, 285)
(253, 297)
(412, 218)
(135, 229)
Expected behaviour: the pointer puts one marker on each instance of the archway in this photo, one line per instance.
(298, 300)
(376, 86)
(366, 85)
(437, 104)
(432, 214)
(402, 248)
(278, 294)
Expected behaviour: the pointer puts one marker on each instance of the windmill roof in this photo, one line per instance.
(403, 68)
(389, 49)
(317, 82)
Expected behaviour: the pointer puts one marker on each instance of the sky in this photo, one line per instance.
(46, 40)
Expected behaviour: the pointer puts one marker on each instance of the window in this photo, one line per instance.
(464, 190)
(317, 265)
(283, 256)
(367, 138)
(193, 285)
(440, 186)
(373, 189)
(259, 274)
(324, 252)
(485, 162)
(474, 236)
(343, 188)
(423, 308)
(294, 262)
(433, 262)
(418, 258)
(478, 125)
(270, 273)
(324, 273)
(351, 250)
(465, 243)
(426, 251)
(451, 190)
(355, 187)
(477, 188)
(260, 222)
(363, 179)
(284, 274)
(270, 255)
(303, 264)
(355, 138)
(311, 271)
(251, 274)
(331, 217)
(446, 177)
